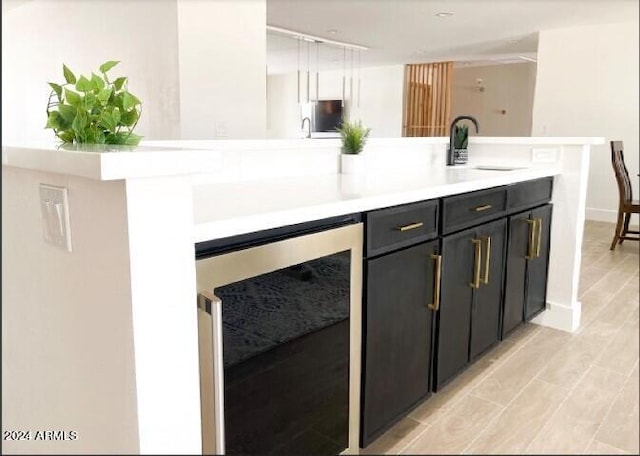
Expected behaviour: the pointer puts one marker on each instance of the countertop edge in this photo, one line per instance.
(255, 222)
(178, 157)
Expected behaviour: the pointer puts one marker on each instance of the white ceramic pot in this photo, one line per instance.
(352, 163)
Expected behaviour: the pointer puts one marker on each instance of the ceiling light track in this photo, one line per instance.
(315, 39)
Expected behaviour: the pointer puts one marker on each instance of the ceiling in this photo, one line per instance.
(408, 31)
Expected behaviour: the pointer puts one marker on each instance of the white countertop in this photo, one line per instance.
(242, 186)
(227, 209)
(182, 157)
(108, 162)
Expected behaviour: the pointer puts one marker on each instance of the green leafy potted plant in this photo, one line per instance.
(98, 111)
(460, 142)
(354, 137)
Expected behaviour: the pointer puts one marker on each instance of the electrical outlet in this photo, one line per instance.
(221, 129)
(54, 207)
(544, 155)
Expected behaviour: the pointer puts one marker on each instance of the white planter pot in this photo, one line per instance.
(352, 163)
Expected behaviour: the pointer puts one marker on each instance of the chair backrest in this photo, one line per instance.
(622, 175)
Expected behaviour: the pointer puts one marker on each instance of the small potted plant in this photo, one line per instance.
(460, 141)
(93, 110)
(354, 136)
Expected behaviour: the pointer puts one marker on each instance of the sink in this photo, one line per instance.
(497, 167)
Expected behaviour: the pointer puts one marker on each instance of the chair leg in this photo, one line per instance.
(616, 237)
(625, 229)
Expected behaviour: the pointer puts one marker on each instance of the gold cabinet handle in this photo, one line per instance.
(532, 240)
(412, 226)
(487, 259)
(482, 208)
(476, 266)
(539, 222)
(436, 285)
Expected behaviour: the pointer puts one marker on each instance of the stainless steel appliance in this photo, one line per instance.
(327, 115)
(279, 317)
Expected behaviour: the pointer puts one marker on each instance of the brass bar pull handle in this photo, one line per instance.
(532, 240)
(539, 222)
(476, 266)
(412, 226)
(482, 208)
(487, 260)
(436, 285)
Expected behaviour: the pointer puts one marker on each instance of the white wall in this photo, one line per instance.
(195, 64)
(504, 107)
(223, 66)
(41, 35)
(587, 85)
(380, 106)
(67, 330)
(382, 100)
(283, 112)
(91, 342)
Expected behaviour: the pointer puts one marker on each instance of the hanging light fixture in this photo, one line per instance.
(318, 40)
(298, 72)
(351, 97)
(317, 71)
(359, 79)
(307, 37)
(344, 73)
(308, 73)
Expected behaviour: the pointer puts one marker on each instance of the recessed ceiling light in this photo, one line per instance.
(332, 32)
(420, 51)
(444, 14)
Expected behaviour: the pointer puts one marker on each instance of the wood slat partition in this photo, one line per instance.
(427, 102)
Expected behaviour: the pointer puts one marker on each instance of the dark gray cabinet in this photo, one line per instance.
(432, 306)
(468, 320)
(518, 246)
(401, 293)
(473, 208)
(527, 265)
(485, 319)
(538, 265)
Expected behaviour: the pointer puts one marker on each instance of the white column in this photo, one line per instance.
(567, 227)
(165, 326)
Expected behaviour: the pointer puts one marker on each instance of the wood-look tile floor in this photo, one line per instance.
(544, 391)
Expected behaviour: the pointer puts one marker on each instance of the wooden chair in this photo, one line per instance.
(626, 206)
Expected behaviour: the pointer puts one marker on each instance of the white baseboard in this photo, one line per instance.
(560, 316)
(601, 215)
(606, 215)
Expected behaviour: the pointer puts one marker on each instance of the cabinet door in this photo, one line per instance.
(537, 267)
(485, 319)
(454, 316)
(397, 364)
(518, 240)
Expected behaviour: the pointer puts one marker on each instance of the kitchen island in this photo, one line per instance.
(103, 339)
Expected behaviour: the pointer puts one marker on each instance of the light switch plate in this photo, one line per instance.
(54, 207)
